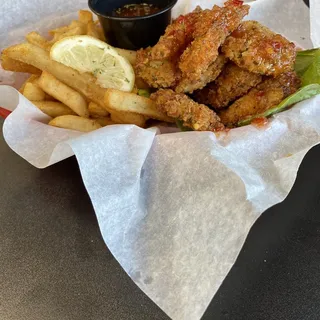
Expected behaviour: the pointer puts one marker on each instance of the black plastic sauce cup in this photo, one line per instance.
(132, 32)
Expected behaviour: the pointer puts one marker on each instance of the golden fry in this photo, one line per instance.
(33, 92)
(30, 79)
(129, 102)
(59, 30)
(84, 83)
(104, 121)
(75, 31)
(36, 39)
(100, 31)
(85, 16)
(92, 30)
(53, 108)
(75, 123)
(63, 93)
(17, 66)
(128, 118)
(97, 111)
(130, 55)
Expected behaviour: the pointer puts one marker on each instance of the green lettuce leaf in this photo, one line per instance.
(312, 74)
(144, 93)
(302, 94)
(180, 125)
(304, 60)
(307, 67)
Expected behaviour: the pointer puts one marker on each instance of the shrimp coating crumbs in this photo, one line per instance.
(266, 95)
(193, 115)
(256, 48)
(205, 20)
(239, 69)
(208, 76)
(156, 73)
(232, 83)
(203, 51)
(177, 37)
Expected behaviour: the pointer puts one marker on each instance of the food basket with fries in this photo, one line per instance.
(181, 145)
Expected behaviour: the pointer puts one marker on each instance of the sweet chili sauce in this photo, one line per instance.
(136, 10)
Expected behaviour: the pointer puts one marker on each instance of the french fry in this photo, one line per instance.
(59, 30)
(128, 118)
(75, 31)
(77, 23)
(97, 111)
(130, 55)
(84, 83)
(100, 31)
(30, 79)
(55, 88)
(85, 16)
(75, 123)
(53, 108)
(92, 31)
(17, 66)
(33, 92)
(129, 102)
(35, 81)
(104, 121)
(36, 39)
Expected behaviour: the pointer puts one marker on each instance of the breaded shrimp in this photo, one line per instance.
(177, 37)
(203, 51)
(266, 95)
(193, 115)
(232, 83)
(156, 73)
(256, 48)
(213, 71)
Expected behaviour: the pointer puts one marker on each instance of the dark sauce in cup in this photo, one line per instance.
(135, 10)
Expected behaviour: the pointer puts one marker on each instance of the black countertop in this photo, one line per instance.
(55, 265)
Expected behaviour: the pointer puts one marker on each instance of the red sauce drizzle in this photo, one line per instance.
(135, 10)
(260, 122)
(237, 2)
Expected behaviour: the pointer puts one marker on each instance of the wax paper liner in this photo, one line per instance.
(175, 209)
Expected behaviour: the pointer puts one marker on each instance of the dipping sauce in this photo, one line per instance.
(135, 10)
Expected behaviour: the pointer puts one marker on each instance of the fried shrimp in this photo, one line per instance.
(177, 37)
(256, 48)
(266, 95)
(156, 73)
(193, 115)
(203, 51)
(208, 76)
(232, 83)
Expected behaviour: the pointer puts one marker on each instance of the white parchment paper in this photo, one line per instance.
(174, 209)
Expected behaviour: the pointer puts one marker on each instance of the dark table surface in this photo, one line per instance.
(55, 265)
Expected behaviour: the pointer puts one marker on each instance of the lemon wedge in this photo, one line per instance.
(88, 54)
